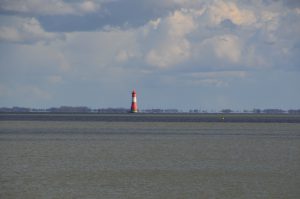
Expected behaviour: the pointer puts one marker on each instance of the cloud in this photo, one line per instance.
(219, 74)
(218, 51)
(25, 30)
(297, 11)
(254, 58)
(25, 92)
(207, 82)
(60, 58)
(169, 46)
(123, 55)
(227, 47)
(291, 3)
(203, 79)
(216, 79)
(49, 7)
(220, 11)
(32, 91)
(95, 53)
(89, 6)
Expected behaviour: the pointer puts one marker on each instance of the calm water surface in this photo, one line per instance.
(96, 159)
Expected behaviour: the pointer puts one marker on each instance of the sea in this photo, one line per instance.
(69, 156)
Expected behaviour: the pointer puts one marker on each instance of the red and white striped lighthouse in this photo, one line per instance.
(134, 108)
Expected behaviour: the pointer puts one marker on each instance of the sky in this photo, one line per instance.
(184, 54)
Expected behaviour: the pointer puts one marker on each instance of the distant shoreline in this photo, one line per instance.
(85, 109)
(157, 117)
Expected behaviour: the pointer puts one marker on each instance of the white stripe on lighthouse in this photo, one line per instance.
(134, 99)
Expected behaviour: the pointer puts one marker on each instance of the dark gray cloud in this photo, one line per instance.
(123, 13)
(291, 3)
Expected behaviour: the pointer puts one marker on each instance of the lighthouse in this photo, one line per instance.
(134, 108)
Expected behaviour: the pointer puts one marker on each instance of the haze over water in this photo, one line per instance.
(99, 159)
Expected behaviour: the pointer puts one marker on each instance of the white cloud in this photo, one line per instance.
(95, 53)
(223, 50)
(168, 45)
(89, 6)
(268, 24)
(169, 54)
(9, 34)
(49, 7)
(254, 59)
(60, 58)
(221, 10)
(124, 55)
(25, 30)
(228, 47)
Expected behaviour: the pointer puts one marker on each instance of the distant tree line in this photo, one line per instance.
(266, 111)
(294, 111)
(64, 109)
(112, 110)
(160, 111)
(84, 109)
(70, 109)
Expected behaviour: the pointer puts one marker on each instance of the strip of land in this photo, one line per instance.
(142, 117)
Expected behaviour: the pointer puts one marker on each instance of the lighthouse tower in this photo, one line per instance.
(134, 108)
